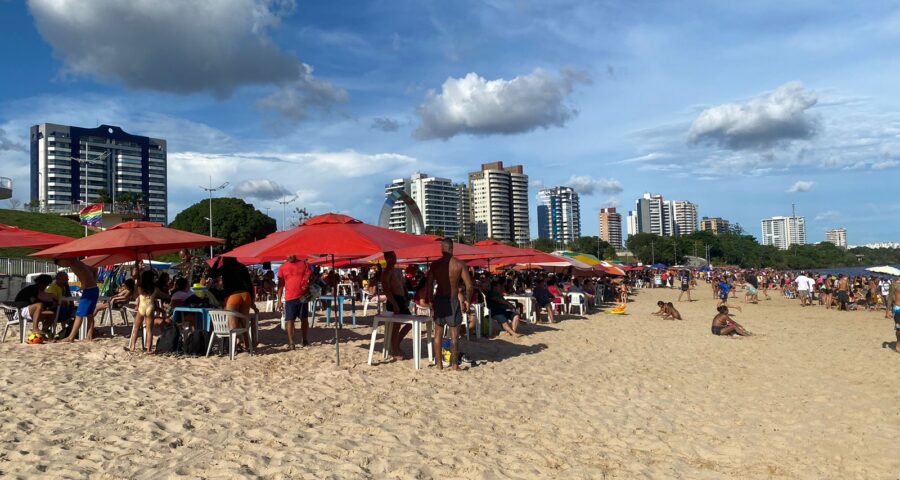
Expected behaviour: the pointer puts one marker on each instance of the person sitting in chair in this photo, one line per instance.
(34, 300)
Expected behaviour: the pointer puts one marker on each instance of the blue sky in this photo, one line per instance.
(741, 107)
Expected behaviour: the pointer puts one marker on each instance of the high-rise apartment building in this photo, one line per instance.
(438, 200)
(715, 225)
(783, 232)
(611, 227)
(73, 166)
(400, 216)
(559, 214)
(653, 215)
(684, 217)
(464, 210)
(837, 236)
(499, 197)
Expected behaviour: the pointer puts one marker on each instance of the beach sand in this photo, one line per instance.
(812, 395)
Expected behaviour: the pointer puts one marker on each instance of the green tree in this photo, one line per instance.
(593, 246)
(544, 244)
(103, 196)
(234, 220)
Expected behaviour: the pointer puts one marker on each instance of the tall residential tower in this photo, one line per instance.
(611, 227)
(559, 214)
(73, 166)
(499, 197)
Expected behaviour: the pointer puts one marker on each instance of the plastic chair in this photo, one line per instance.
(369, 299)
(219, 320)
(577, 300)
(12, 319)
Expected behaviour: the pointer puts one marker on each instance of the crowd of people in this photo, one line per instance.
(446, 290)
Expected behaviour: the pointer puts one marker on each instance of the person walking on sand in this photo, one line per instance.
(444, 300)
(293, 284)
(90, 294)
(685, 285)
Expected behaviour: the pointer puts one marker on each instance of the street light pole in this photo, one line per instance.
(210, 190)
(86, 162)
(284, 203)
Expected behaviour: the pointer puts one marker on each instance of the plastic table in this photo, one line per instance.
(416, 322)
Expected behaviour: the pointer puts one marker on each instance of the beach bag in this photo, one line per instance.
(197, 342)
(313, 292)
(169, 341)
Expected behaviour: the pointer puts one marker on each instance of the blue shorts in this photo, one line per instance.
(294, 309)
(88, 302)
(897, 317)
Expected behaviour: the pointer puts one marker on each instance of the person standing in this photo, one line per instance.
(293, 284)
(90, 294)
(393, 284)
(895, 307)
(685, 285)
(446, 273)
(843, 292)
(803, 282)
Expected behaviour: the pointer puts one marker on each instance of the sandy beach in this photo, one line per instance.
(812, 395)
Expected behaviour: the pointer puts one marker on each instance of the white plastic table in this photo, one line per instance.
(416, 322)
(530, 314)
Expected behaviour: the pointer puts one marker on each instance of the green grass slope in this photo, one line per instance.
(41, 222)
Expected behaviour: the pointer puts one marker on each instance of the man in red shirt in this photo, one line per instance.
(293, 281)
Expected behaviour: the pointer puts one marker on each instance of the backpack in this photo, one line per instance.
(197, 342)
(169, 341)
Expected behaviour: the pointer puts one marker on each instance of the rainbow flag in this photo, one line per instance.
(91, 215)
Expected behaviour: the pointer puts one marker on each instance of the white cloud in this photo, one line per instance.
(646, 158)
(763, 122)
(8, 144)
(477, 106)
(612, 202)
(260, 189)
(885, 164)
(801, 186)
(586, 185)
(827, 215)
(182, 47)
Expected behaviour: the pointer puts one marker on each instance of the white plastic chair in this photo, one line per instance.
(577, 300)
(219, 320)
(12, 319)
(369, 299)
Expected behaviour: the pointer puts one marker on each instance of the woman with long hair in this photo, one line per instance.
(146, 307)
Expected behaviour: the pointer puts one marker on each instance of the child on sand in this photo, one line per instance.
(722, 324)
(671, 312)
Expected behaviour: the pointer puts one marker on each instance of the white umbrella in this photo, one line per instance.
(885, 269)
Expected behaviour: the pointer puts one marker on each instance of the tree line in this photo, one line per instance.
(735, 247)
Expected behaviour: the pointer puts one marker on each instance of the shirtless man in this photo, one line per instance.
(843, 292)
(89, 296)
(393, 285)
(722, 324)
(447, 311)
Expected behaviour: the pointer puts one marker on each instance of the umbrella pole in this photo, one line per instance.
(337, 321)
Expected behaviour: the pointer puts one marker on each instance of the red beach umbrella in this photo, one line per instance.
(332, 235)
(15, 237)
(131, 239)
